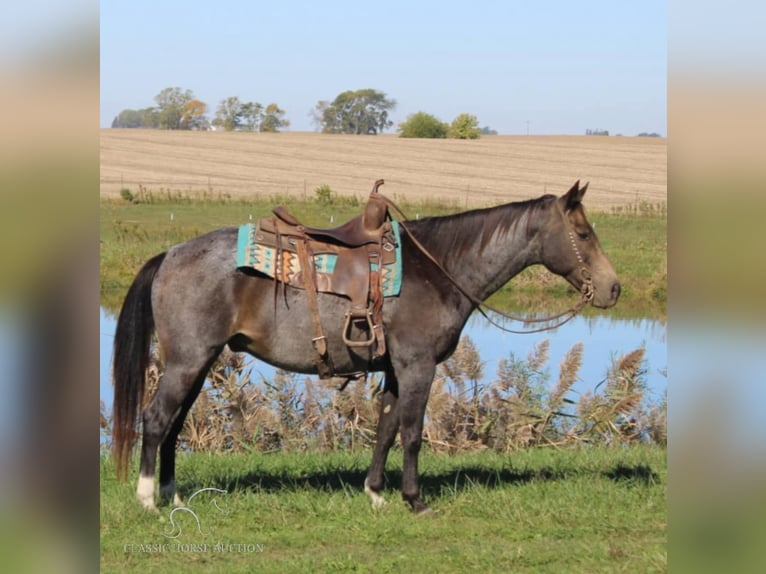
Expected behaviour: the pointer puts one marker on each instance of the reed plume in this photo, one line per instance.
(517, 409)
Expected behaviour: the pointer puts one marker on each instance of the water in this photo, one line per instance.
(604, 338)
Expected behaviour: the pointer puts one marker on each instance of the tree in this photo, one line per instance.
(251, 115)
(465, 127)
(229, 114)
(170, 107)
(127, 119)
(233, 114)
(273, 119)
(193, 115)
(355, 112)
(149, 118)
(317, 113)
(144, 118)
(422, 125)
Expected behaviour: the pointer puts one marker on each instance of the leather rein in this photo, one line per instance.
(586, 290)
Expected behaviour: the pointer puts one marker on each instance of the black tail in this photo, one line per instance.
(131, 358)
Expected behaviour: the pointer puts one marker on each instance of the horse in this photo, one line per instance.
(197, 301)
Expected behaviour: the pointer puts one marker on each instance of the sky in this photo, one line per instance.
(550, 67)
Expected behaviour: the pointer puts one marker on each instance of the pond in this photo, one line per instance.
(604, 338)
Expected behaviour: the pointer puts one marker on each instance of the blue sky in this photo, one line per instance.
(563, 66)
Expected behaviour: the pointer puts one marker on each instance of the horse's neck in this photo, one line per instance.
(482, 257)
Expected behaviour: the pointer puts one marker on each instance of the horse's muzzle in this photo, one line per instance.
(616, 290)
(607, 297)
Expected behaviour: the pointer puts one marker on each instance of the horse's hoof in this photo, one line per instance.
(377, 500)
(420, 508)
(147, 503)
(168, 495)
(150, 508)
(426, 512)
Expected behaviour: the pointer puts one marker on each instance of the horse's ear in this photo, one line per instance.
(572, 198)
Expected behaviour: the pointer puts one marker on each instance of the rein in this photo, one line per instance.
(586, 291)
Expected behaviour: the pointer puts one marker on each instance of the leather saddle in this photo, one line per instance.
(359, 248)
(362, 230)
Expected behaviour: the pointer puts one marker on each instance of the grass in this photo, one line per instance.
(636, 242)
(540, 510)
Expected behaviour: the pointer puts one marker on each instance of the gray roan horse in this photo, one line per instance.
(198, 302)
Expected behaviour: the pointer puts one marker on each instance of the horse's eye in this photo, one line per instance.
(584, 235)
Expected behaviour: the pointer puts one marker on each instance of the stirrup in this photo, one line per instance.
(347, 329)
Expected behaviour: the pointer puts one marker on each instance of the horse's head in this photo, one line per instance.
(572, 250)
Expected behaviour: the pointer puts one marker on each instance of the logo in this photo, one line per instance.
(176, 529)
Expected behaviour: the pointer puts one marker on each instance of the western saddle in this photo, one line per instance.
(362, 246)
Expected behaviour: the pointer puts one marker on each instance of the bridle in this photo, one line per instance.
(587, 291)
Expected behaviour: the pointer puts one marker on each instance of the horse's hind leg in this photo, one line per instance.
(178, 387)
(168, 447)
(388, 426)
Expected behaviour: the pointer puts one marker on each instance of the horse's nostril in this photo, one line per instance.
(616, 289)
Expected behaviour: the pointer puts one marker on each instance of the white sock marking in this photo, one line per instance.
(145, 491)
(377, 500)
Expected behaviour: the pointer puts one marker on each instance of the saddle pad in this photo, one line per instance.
(263, 258)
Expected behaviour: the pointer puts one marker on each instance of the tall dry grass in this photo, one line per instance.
(519, 408)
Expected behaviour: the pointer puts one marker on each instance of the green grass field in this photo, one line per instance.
(635, 241)
(540, 510)
(593, 509)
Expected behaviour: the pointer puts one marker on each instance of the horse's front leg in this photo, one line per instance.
(388, 426)
(414, 387)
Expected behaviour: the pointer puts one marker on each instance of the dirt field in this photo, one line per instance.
(488, 171)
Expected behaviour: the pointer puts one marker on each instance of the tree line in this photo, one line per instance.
(359, 112)
(179, 109)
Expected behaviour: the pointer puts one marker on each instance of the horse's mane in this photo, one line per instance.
(455, 235)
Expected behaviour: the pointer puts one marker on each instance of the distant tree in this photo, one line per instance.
(465, 127)
(355, 112)
(273, 119)
(422, 125)
(649, 135)
(128, 119)
(170, 107)
(486, 131)
(229, 114)
(144, 118)
(596, 132)
(317, 113)
(250, 116)
(233, 114)
(149, 117)
(193, 115)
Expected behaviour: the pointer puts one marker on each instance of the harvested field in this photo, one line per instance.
(491, 170)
